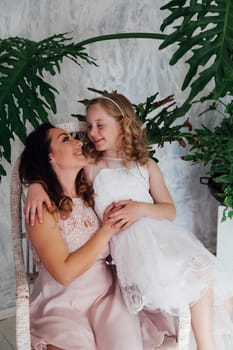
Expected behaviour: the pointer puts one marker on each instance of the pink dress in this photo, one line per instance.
(89, 313)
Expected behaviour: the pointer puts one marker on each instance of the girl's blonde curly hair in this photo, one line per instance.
(134, 143)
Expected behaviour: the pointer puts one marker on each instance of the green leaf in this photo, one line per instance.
(215, 147)
(204, 30)
(25, 96)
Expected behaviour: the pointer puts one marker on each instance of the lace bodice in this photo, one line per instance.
(78, 228)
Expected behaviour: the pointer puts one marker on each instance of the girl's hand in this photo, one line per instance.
(126, 212)
(35, 199)
(114, 224)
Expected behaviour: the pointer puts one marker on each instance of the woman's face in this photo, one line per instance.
(104, 130)
(66, 152)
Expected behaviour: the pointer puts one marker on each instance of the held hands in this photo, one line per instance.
(35, 199)
(125, 213)
(113, 225)
(117, 216)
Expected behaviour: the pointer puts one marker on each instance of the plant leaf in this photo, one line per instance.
(25, 96)
(205, 30)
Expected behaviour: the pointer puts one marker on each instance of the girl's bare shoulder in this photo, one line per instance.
(153, 165)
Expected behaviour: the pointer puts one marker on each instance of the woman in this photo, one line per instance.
(74, 303)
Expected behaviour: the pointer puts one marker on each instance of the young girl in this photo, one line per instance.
(159, 265)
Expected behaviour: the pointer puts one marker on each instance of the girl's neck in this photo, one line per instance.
(112, 158)
(113, 154)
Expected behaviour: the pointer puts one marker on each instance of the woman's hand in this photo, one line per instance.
(125, 212)
(35, 199)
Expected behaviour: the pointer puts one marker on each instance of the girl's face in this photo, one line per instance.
(104, 131)
(66, 152)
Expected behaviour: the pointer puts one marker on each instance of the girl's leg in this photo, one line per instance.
(52, 347)
(202, 322)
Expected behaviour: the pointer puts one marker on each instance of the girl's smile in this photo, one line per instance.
(104, 131)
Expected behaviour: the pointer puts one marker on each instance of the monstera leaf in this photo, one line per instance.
(25, 96)
(202, 29)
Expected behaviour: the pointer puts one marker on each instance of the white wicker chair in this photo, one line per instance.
(25, 271)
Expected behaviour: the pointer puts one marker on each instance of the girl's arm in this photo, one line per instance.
(164, 206)
(50, 246)
(129, 211)
(36, 197)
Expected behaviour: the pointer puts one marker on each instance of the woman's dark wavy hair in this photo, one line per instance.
(35, 167)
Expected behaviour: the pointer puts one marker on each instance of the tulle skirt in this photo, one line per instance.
(161, 266)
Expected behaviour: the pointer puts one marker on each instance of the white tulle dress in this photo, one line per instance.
(159, 265)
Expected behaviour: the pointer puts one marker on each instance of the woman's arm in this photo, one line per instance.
(50, 246)
(129, 211)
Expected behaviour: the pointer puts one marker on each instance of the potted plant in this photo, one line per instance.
(215, 148)
(203, 31)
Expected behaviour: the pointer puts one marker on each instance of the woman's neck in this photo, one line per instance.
(68, 185)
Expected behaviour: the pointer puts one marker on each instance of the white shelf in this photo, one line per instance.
(225, 240)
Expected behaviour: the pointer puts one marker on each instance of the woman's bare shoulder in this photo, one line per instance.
(50, 221)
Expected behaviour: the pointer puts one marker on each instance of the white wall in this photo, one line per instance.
(133, 67)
